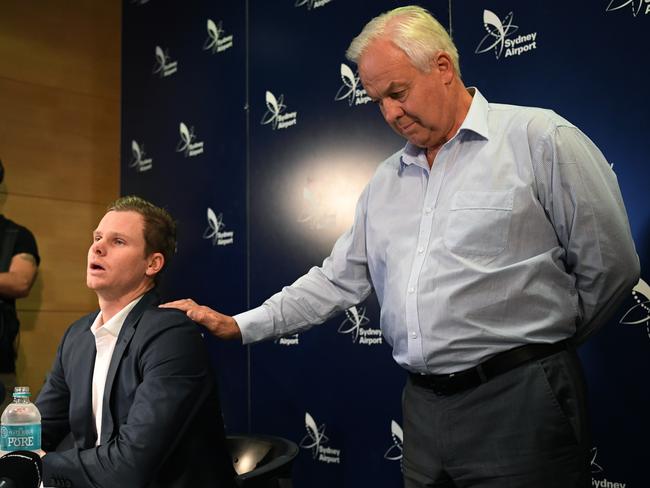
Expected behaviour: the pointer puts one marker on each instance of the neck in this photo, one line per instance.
(461, 103)
(111, 305)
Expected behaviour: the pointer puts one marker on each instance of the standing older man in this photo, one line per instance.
(495, 241)
(132, 383)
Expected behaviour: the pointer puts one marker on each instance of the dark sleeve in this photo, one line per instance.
(176, 382)
(53, 403)
(25, 243)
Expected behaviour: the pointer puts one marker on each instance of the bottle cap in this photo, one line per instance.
(21, 391)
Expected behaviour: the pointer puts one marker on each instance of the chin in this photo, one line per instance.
(418, 142)
(92, 285)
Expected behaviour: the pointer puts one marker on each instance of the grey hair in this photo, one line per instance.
(414, 30)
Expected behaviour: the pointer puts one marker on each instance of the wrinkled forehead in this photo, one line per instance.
(381, 54)
(383, 63)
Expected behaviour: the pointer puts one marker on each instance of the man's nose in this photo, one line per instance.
(97, 247)
(392, 110)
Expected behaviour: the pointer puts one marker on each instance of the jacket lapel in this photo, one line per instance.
(126, 334)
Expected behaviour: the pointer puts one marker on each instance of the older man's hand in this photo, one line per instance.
(219, 325)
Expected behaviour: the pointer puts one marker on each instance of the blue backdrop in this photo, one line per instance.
(244, 119)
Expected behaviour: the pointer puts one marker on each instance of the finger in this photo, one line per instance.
(184, 304)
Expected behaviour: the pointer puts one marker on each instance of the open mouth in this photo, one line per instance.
(95, 267)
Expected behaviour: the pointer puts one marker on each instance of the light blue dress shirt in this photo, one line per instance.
(517, 234)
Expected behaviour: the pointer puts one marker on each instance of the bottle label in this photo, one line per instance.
(20, 437)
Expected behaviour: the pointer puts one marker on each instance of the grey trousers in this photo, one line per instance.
(525, 428)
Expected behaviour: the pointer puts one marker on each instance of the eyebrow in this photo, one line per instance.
(392, 86)
(112, 234)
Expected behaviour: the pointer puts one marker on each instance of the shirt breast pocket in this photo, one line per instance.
(479, 222)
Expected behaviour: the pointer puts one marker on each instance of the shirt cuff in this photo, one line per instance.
(255, 325)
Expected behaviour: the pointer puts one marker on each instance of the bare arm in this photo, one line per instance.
(219, 325)
(17, 282)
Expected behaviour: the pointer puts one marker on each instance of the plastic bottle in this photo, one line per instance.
(20, 428)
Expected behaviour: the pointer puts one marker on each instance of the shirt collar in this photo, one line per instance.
(114, 325)
(476, 121)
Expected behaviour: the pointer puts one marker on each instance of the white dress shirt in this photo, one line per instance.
(105, 339)
(517, 234)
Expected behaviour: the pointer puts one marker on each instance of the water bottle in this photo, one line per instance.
(20, 428)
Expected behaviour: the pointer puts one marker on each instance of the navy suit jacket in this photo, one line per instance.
(161, 420)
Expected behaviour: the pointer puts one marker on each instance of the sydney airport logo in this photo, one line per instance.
(394, 452)
(290, 340)
(500, 37)
(639, 314)
(164, 65)
(215, 231)
(188, 143)
(597, 470)
(316, 440)
(275, 113)
(351, 90)
(310, 4)
(139, 162)
(355, 323)
(217, 40)
(636, 6)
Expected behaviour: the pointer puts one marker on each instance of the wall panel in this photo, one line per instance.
(59, 144)
(72, 47)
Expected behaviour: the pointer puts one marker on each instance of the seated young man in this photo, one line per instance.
(132, 382)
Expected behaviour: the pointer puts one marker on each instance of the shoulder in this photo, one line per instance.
(22, 230)
(77, 329)
(531, 117)
(168, 321)
(388, 168)
(165, 316)
(168, 337)
(25, 241)
(391, 163)
(537, 124)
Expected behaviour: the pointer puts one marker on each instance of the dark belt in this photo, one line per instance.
(448, 384)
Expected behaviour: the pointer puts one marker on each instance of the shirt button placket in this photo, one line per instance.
(415, 353)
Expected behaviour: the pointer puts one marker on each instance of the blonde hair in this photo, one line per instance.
(414, 30)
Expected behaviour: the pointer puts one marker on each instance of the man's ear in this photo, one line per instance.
(444, 65)
(156, 263)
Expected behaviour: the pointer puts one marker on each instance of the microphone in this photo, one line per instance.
(20, 469)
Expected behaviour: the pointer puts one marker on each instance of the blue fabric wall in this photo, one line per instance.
(244, 119)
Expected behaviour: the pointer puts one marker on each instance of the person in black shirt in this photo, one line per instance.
(18, 266)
